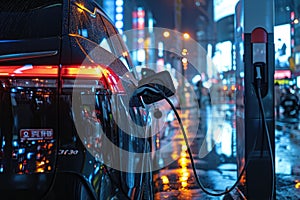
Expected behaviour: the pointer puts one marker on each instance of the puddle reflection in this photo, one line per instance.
(217, 133)
(219, 129)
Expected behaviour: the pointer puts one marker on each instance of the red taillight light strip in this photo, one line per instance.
(69, 71)
(104, 75)
(83, 72)
(29, 71)
(107, 77)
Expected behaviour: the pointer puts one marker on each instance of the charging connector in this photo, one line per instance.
(260, 77)
(258, 73)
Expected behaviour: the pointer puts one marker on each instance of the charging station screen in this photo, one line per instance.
(282, 42)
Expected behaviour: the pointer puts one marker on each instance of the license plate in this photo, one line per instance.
(36, 134)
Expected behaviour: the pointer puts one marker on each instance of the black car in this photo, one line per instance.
(65, 76)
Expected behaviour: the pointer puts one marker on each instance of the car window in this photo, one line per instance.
(118, 44)
(22, 19)
(86, 22)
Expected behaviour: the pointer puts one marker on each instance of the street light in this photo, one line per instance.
(184, 63)
(184, 53)
(181, 56)
(186, 36)
(166, 34)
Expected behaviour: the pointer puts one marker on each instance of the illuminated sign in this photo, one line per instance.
(223, 8)
(138, 23)
(282, 81)
(138, 18)
(282, 74)
(282, 41)
(222, 59)
(119, 15)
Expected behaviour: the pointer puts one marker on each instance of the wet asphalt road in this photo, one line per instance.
(211, 134)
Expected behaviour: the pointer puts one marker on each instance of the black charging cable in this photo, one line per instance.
(258, 79)
(205, 190)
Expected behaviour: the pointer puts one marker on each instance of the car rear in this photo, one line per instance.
(38, 140)
(29, 58)
(54, 53)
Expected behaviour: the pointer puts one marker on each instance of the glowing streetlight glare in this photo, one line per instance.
(184, 60)
(166, 34)
(186, 36)
(184, 52)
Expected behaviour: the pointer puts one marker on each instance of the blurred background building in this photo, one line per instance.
(211, 24)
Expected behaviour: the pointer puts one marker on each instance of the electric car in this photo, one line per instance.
(65, 123)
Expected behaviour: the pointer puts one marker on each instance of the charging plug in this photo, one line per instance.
(260, 77)
(258, 73)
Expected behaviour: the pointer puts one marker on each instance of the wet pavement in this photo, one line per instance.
(287, 159)
(211, 134)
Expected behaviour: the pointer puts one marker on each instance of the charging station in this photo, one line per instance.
(254, 39)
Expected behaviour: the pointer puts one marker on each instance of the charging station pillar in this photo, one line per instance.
(256, 149)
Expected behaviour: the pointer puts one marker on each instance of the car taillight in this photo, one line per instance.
(29, 76)
(85, 75)
(91, 75)
(29, 71)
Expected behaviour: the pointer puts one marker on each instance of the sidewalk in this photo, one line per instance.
(287, 158)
